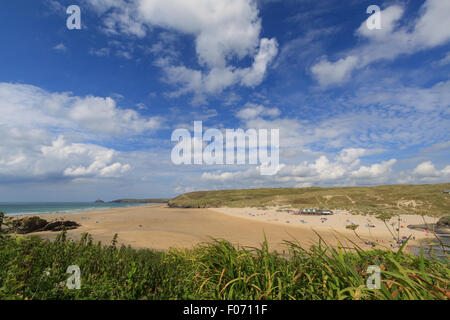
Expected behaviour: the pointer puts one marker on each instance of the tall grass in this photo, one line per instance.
(33, 268)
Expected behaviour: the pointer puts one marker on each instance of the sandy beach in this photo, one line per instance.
(160, 227)
(369, 227)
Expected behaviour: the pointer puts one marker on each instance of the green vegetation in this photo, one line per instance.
(383, 201)
(33, 268)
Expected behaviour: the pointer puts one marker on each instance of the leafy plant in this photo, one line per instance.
(33, 268)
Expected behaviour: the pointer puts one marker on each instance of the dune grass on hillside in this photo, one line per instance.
(381, 200)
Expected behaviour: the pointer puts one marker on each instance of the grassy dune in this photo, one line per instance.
(380, 200)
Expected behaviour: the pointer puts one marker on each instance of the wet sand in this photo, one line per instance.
(159, 227)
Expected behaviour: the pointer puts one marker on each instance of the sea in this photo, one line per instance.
(30, 208)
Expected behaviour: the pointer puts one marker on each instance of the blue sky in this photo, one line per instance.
(89, 113)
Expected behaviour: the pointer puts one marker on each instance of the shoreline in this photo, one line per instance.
(89, 208)
(158, 227)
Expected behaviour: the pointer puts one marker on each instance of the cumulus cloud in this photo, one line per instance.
(351, 155)
(103, 115)
(221, 28)
(330, 171)
(374, 171)
(31, 107)
(253, 76)
(425, 172)
(344, 169)
(39, 129)
(328, 73)
(97, 160)
(223, 31)
(59, 159)
(431, 29)
(426, 169)
(217, 79)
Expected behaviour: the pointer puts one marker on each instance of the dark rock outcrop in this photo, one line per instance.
(36, 224)
(60, 225)
(28, 225)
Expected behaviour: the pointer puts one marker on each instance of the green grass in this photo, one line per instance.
(383, 201)
(33, 268)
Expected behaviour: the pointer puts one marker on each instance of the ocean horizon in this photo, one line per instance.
(36, 208)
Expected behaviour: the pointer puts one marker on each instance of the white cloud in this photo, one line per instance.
(223, 30)
(389, 19)
(377, 118)
(60, 47)
(102, 115)
(30, 107)
(98, 159)
(252, 111)
(426, 169)
(219, 78)
(431, 29)
(220, 176)
(102, 6)
(426, 172)
(435, 98)
(43, 133)
(444, 61)
(59, 159)
(321, 171)
(268, 50)
(374, 171)
(327, 171)
(125, 20)
(331, 73)
(351, 155)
